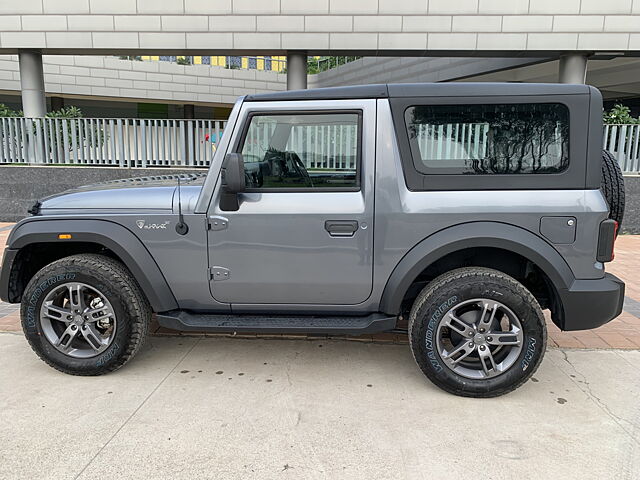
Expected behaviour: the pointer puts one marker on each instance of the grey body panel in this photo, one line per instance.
(145, 195)
(276, 246)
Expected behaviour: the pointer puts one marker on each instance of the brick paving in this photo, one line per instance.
(623, 332)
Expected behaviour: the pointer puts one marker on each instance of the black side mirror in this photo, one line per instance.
(233, 182)
(233, 173)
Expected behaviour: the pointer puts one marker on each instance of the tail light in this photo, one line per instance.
(606, 240)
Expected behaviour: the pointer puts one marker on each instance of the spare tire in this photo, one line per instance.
(612, 186)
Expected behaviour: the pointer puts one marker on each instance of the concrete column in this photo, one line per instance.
(296, 70)
(573, 68)
(32, 84)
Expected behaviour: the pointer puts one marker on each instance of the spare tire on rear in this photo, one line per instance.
(612, 186)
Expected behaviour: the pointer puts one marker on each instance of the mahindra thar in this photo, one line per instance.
(459, 211)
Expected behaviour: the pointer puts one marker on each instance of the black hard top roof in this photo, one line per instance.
(462, 89)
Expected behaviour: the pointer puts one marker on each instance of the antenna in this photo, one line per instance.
(181, 227)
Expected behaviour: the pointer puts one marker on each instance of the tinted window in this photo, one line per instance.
(489, 139)
(305, 150)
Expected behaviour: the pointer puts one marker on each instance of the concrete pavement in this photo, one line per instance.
(233, 408)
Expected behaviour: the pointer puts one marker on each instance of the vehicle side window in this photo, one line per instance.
(486, 139)
(302, 150)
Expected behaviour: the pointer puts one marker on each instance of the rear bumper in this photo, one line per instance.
(591, 303)
(5, 271)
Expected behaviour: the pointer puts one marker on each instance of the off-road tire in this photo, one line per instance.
(109, 276)
(612, 186)
(465, 284)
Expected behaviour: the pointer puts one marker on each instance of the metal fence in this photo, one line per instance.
(140, 143)
(122, 142)
(623, 141)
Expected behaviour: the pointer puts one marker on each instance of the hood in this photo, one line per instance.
(130, 194)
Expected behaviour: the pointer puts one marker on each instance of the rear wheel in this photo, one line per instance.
(85, 315)
(477, 332)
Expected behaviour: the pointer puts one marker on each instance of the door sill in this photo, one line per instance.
(338, 325)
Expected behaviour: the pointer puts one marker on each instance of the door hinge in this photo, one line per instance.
(218, 223)
(217, 274)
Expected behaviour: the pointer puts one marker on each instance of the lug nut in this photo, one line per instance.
(471, 344)
(73, 327)
(481, 330)
(482, 347)
(489, 339)
(69, 317)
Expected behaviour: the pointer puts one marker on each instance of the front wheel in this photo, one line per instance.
(85, 314)
(477, 332)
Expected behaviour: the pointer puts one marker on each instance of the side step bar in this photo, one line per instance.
(198, 322)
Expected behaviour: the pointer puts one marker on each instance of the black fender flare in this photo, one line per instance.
(111, 235)
(469, 235)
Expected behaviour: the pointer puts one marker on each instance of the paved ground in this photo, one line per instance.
(624, 332)
(234, 408)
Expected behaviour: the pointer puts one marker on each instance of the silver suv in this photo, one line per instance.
(457, 211)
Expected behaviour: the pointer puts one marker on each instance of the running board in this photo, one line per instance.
(198, 322)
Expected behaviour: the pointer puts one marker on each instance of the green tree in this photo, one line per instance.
(8, 112)
(619, 115)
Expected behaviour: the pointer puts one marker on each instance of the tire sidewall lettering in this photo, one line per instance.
(108, 355)
(32, 310)
(529, 354)
(432, 325)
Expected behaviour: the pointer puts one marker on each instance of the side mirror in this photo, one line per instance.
(232, 182)
(233, 173)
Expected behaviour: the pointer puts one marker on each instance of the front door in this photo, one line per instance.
(303, 233)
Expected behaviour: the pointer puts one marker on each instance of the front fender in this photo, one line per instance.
(469, 235)
(110, 235)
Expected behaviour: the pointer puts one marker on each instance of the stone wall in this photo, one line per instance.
(21, 187)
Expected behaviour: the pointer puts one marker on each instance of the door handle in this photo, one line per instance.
(341, 228)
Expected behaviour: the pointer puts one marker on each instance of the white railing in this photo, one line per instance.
(623, 141)
(326, 147)
(452, 140)
(122, 142)
(140, 143)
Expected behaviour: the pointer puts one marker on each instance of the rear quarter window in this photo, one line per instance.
(485, 139)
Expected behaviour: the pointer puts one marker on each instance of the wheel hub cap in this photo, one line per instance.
(78, 320)
(479, 338)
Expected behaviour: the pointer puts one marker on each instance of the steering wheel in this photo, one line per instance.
(300, 168)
